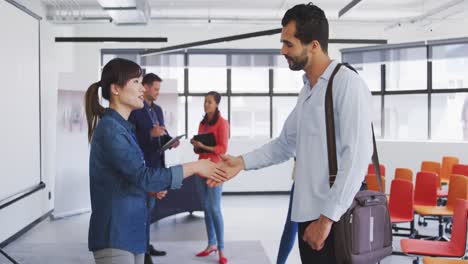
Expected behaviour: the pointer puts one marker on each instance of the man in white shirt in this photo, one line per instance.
(316, 206)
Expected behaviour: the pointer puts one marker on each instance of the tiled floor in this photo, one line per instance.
(247, 218)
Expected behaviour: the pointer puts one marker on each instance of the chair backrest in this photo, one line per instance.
(447, 164)
(425, 191)
(458, 189)
(401, 198)
(432, 166)
(460, 169)
(371, 170)
(458, 240)
(404, 174)
(372, 184)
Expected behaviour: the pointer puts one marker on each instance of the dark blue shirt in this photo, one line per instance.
(144, 119)
(119, 183)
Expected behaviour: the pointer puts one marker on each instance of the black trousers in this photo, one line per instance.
(309, 256)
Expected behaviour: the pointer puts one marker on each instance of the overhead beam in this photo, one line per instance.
(111, 39)
(348, 7)
(252, 35)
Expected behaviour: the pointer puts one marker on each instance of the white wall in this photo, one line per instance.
(20, 214)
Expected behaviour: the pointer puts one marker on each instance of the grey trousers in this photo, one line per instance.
(117, 256)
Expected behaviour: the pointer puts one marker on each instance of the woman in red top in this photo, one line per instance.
(214, 123)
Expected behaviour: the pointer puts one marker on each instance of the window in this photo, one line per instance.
(207, 73)
(450, 66)
(167, 67)
(406, 69)
(449, 118)
(406, 117)
(250, 117)
(282, 107)
(250, 74)
(377, 115)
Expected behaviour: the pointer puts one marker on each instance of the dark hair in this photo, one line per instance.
(149, 78)
(311, 24)
(217, 98)
(117, 71)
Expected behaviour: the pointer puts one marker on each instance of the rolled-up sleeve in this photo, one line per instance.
(352, 100)
(278, 150)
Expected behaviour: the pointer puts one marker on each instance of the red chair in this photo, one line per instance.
(373, 184)
(453, 248)
(425, 191)
(461, 169)
(432, 166)
(404, 173)
(400, 206)
(370, 169)
(446, 169)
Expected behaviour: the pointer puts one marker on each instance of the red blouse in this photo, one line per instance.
(221, 133)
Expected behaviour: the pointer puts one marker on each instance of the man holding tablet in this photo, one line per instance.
(151, 136)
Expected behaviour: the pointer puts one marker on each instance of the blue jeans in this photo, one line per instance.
(211, 201)
(289, 235)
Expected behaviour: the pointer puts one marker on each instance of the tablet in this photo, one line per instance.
(170, 142)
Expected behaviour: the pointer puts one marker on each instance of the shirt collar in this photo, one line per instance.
(325, 75)
(117, 117)
(147, 106)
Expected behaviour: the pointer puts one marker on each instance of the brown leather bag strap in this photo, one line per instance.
(331, 137)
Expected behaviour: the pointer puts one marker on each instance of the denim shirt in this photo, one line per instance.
(119, 183)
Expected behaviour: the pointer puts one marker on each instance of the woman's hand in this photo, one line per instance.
(210, 170)
(196, 144)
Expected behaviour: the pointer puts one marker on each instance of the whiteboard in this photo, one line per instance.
(20, 123)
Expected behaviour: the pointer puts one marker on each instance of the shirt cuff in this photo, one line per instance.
(177, 176)
(249, 161)
(333, 210)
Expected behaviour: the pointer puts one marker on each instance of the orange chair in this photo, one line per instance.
(427, 260)
(453, 248)
(433, 166)
(458, 189)
(425, 191)
(400, 206)
(373, 185)
(370, 169)
(461, 169)
(446, 169)
(404, 173)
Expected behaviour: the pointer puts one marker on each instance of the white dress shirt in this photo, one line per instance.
(304, 135)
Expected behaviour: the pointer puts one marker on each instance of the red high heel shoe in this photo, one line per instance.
(222, 260)
(206, 252)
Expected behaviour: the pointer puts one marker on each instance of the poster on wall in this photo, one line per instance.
(72, 177)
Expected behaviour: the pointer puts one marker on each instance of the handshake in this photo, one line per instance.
(217, 173)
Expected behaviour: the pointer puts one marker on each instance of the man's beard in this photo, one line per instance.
(299, 62)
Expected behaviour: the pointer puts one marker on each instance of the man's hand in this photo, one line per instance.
(158, 195)
(231, 166)
(158, 131)
(175, 144)
(211, 171)
(317, 232)
(161, 195)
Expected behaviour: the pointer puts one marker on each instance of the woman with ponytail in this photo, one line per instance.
(214, 123)
(119, 177)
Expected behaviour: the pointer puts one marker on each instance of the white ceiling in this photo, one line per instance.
(371, 11)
